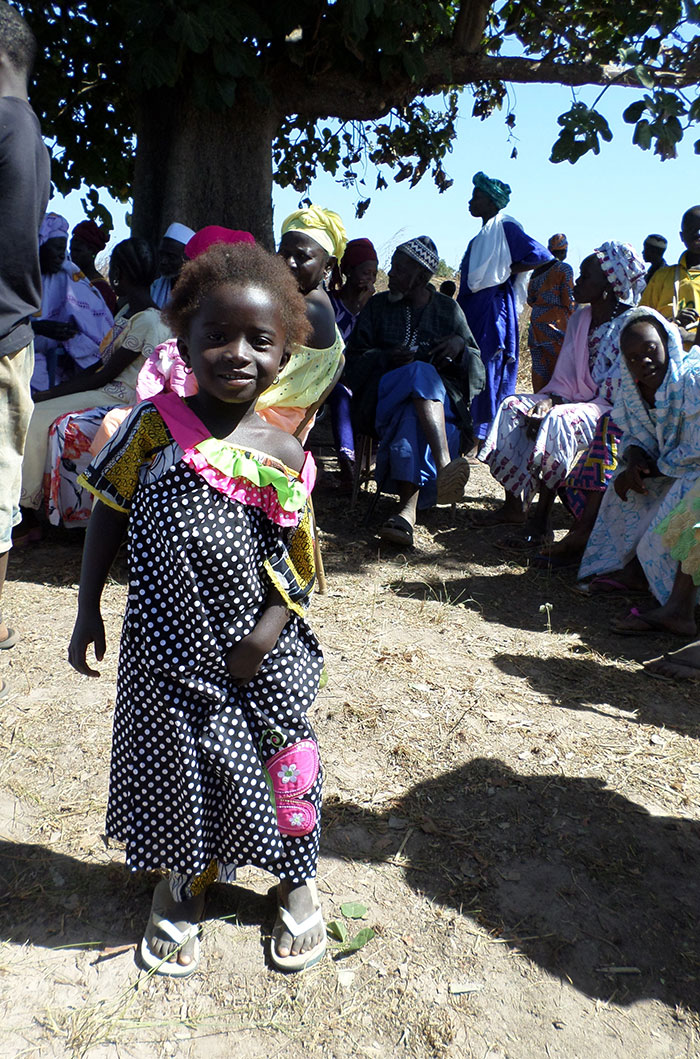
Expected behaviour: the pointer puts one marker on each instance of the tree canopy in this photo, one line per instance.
(116, 79)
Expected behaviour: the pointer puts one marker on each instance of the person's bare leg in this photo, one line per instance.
(408, 501)
(298, 901)
(676, 615)
(630, 576)
(512, 512)
(3, 573)
(431, 416)
(541, 518)
(575, 541)
(683, 664)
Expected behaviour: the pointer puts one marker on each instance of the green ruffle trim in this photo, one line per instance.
(243, 463)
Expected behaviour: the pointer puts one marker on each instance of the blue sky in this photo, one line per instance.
(623, 193)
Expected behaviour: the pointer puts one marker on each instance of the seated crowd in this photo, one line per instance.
(424, 379)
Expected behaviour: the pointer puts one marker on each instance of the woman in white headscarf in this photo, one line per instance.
(658, 411)
(74, 317)
(535, 439)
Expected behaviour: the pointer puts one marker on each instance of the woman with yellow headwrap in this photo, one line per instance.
(311, 240)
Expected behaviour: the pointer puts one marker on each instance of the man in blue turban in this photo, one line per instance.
(492, 292)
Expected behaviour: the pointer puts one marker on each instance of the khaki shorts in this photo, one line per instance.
(15, 412)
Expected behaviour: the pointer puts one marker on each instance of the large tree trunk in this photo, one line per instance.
(203, 167)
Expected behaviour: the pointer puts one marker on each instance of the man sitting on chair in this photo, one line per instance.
(413, 367)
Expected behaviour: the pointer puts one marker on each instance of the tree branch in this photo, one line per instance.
(366, 98)
(470, 25)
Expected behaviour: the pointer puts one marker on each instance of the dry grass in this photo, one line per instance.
(515, 805)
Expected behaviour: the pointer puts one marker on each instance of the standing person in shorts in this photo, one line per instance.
(24, 194)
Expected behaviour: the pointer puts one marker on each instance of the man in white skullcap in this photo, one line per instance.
(171, 258)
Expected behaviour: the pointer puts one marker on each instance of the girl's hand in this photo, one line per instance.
(89, 628)
(244, 659)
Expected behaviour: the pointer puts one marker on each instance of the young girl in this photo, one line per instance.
(658, 413)
(214, 763)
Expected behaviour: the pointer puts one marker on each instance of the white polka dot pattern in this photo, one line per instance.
(187, 784)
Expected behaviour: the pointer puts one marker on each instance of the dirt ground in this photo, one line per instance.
(509, 794)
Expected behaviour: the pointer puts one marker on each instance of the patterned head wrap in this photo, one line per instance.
(423, 250)
(496, 190)
(558, 242)
(658, 241)
(356, 253)
(213, 234)
(92, 235)
(624, 270)
(53, 226)
(324, 226)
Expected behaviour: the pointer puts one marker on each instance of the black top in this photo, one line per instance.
(24, 194)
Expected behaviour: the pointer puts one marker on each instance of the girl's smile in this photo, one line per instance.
(235, 343)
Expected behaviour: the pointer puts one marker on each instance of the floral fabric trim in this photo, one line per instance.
(254, 479)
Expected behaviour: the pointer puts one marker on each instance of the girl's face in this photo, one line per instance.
(591, 283)
(363, 277)
(645, 355)
(306, 258)
(235, 343)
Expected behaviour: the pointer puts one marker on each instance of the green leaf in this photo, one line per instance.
(353, 910)
(642, 135)
(644, 77)
(360, 939)
(633, 112)
(696, 146)
(337, 930)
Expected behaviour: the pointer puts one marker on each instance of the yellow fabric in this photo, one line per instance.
(324, 226)
(659, 291)
(121, 460)
(304, 377)
(293, 573)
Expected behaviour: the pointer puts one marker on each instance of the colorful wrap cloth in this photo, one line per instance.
(53, 226)
(680, 531)
(324, 226)
(251, 478)
(93, 236)
(211, 236)
(356, 253)
(669, 433)
(624, 270)
(496, 190)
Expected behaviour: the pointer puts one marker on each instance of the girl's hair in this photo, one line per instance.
(137, 259)
(647, 318)
(241, 265)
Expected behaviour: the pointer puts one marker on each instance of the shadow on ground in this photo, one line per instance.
(584, 882)
(586, 684)
(53, 900)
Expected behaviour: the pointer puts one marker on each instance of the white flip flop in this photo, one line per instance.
(164, 964)
(285, 920)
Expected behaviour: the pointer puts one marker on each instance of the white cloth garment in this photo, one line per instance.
(490, 261)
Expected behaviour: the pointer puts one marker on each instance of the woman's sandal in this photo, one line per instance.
(165, 965)
(286, 921)
(9, 641)
(397, 530)
(602, 585)
(451, 481)
(636, 623)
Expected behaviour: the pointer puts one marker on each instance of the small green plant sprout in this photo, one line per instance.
(547, 609)
(337, 930)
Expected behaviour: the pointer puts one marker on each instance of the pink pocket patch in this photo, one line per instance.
(296, 818)
(293, 772)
